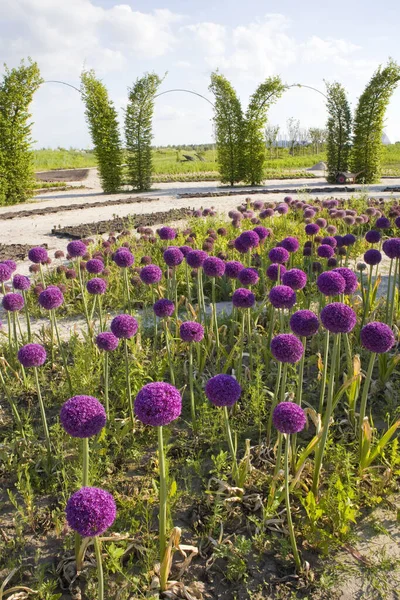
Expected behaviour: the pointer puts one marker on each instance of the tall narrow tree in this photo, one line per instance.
(102, 119)
(254, 125)
(16, 158)
(338, 130)
(229, 130)
(139, 131)
(369, 122)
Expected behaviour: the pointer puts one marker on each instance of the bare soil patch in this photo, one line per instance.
(239, 192)
(15, 251)
(63, 175)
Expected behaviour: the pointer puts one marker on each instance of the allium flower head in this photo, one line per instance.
(282, 296)
(267, 213)
(223, 390)
(338, 318)
(311, 229)
(372, 257)
(383, 223)
(304, 323)
(191, 331)
(233, 268)
(262, 232)
(185, 250)
(83, 416)
(249, 239)
(158, 404)
(349, 239)
(214, 267)
(5, 272)
(166, 233)
(90, 511)
(124, 326)
(397, 221)
(373, 236)
(96, 286)
(196, 258)
(76, 248)
(391, 248)
(331, 283)
(243, 298)
(329, 241)
(377, 337)
(295, 279)
(51, 298)
(273, 270)
(123, 258)
(107, 341)
(32, 355)
(11, 264)
(350, 279)
(325, 251)
(173, 256)
(13, 302)
(282, 209)
(150, 274)
(38, 255)
(291, 244)
(95, 266)
(289, 417)
(278, 255)
(248, 276)
(163, 308)
(21, 282)
(287, 348)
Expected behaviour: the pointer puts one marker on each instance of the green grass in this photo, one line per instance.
(47, 159)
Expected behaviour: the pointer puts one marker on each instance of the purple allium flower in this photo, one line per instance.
(11, 264)
(372, 257)
(150, 274)
(173, 256)
(243, 298)
(191, 331)
(377, 337)
(391, 248)
(248, 276)
(21, 282)
(291, 244)
(158, 404)
(76, 248)
(331, 229)
(5, 272)
(262, 232)
(307, 251)
(90, 511)
(325, 251)
(282, 209)
(83, 416)
(13, 302)
(331, 283)
(373, 236)
(321, 222)
(233, 268)
(32, 355)
(309, 213)
(249, 239)
(289, 417)
(361, 266)
(332, 262)
(214, 267)
(107, 341)
(350, 279)
(185, 250)
(272, 271)
(282, 296)
(349, 239)
(311, 229)
(397, 221)
(163, 308)
(38, 255)
(123, 258)
(96, 286)
(295, 279)
(166, 233)
(329, 241)
(338, 318)
(304, 323)
(124, 326)
(278, 255)
(268, 212)
(223, 390)
(52, 297)
(196, 258)
(383, 223)
(349, 220)
(239, 246)
(287, 348)
(95, 266)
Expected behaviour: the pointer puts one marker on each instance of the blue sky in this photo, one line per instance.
(248, 41)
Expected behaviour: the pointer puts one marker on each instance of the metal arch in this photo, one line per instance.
(65, 83)
(188, 92)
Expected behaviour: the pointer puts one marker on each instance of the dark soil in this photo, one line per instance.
(241, 192)
(15, 251)
(396, 188)
(119, 224)
(63, 175)
(55, 209)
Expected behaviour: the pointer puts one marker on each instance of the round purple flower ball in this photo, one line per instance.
(331, 283)
(273, 270)
(233, 268)
(107, 341)
(350, 279)
(282, 209)
(196, 258)
(90, 511)
(38, 255)
(214, 267)
(397, 221)
(5, 272)
(383, 223)
(278, 255)
(158, 404)
(13, 302)
(76, 248)
(321, 222)
(372, 257)
(287, 348)
(191, 331)
(11, 264)
(311, 229)
(32, 355)
(338, 318)
(282, 296)
(288, 418)
(304, 323)
(377, 337)
(185, 250)
(291, 244)
(248, 276)
(223, 390)
(95, 266)
(391, 248)
(123, 259)
(329, 241)
(163, 308)
(83, 416)
(325, 251)
(349, 239)
(51, 298)
(150, 274)
(295, 279)
(173, 256)
(166, 233)
(249, 239)
(96, 286)
(243, 298)
(124, 326)
(373, 236)
(262, 232)
(21, 282)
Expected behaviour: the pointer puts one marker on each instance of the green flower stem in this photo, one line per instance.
(363, 405)
(324, 373)
(100, 309)
(42, 275)
(168, 346)
(215, 316)
(155, 329)
(28, 320)
(106, 384)
(191, 387)
(85, 462)
(188, 283)
(127, 290)
(235, 468)
(283, 384)
(42, 413)
(249, 342)
(61, 349)
(241, 346)
(274, 401)
(83, 292)
(81, 545)
(270, 332)
(368, 297)
(391, 282)
(287, 502)
(326, 421)
(163, 504)
(13, 406)
(393, 296)
(299, 393)
(99, 564)
(128, 381)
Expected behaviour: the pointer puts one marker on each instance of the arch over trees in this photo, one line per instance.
(339, 130)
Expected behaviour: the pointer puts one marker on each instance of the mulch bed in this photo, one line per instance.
(392, 189)
(63, 175)
(15, 251)
(266, 191)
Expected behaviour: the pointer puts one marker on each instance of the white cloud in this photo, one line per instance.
(317, 49)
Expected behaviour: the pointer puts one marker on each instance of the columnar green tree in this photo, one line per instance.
(369, 122)
(102, 119)
(138, 129)
(229, 130)
(338, 130)
(254, 125)
(16, 158)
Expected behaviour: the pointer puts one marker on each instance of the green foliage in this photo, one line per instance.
(229, 130)
(254, 125)
(16, 159)
(339, 130)
(138, 130)
(102, 119)
(369, 120)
